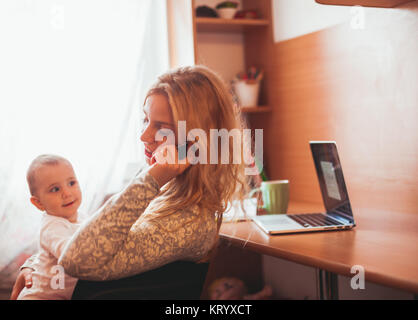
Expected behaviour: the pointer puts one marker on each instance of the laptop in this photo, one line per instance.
(338, 215)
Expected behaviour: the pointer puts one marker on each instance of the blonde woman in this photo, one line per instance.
(171, 211)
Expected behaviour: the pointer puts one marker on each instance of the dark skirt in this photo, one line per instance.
(179, 280)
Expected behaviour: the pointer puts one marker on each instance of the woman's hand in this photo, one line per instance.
(165, 164)
(24, 279)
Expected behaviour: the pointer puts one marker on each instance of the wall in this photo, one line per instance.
(227, 61)
(300, 17)
(357, 87)
(355, 84)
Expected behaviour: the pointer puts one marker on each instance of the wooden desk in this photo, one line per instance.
(384, 243)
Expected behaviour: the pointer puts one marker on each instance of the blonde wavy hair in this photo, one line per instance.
(198, 96)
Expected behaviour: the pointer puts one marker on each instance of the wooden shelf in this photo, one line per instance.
(256, 109)
(228, 25)
(365, 3)
(246, 34)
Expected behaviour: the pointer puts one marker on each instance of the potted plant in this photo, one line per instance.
(227, 9)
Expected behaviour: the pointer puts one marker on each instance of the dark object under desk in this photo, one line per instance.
(179, 280)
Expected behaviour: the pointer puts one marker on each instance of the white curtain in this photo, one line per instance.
(73, 75)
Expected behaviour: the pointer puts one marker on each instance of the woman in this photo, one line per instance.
(171, 211)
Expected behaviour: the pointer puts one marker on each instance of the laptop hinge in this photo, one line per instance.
(340, 218)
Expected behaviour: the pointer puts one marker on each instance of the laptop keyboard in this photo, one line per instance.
(314, 220)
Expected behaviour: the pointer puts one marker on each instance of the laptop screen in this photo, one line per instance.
(331, 179)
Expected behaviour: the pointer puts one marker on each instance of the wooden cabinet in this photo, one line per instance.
(229, 46)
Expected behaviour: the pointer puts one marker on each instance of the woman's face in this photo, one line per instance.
(158, 116)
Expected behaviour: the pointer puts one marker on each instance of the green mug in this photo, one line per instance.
(275, 195)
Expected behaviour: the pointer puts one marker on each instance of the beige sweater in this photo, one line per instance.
(117, 241)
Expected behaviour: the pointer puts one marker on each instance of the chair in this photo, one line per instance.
(179, 280)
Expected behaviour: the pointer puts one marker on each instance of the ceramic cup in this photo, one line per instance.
(275, 195)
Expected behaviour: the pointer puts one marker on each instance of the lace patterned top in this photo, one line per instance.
(117, 241)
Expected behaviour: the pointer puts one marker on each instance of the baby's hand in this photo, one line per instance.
(24, 279)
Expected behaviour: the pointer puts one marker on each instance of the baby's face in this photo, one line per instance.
(57, 190)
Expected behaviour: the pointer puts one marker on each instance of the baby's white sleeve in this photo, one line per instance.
(55, 235)
(104, 233)
(30, 262)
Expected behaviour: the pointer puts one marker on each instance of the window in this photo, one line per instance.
(73, 78)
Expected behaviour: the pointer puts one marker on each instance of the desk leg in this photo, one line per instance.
(327, 283)
(319, 284)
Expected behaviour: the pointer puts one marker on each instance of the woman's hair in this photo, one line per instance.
(198, 96)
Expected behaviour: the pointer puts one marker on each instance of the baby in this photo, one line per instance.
(54, 189)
